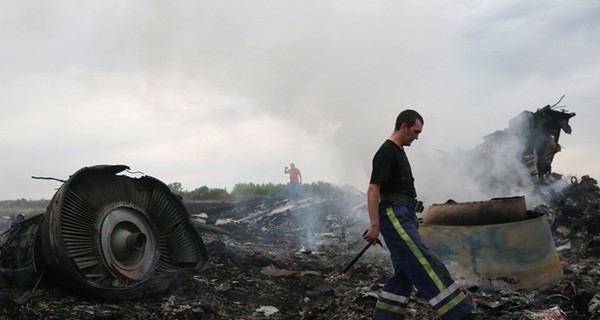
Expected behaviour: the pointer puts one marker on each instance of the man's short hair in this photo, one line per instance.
(409, 117)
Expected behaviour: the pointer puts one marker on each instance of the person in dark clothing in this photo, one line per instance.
(391, 202)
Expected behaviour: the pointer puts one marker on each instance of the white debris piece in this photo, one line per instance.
(594, 305)
(267, 310)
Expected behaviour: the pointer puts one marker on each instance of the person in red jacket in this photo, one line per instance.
(295, 180)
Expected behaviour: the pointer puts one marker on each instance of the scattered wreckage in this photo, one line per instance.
(104, 235)
(498, 244)
(515, 160)
(533, 137)
(283, 259)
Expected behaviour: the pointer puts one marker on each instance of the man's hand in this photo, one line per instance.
(372, 234)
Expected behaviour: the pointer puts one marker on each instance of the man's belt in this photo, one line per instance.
(402, 199)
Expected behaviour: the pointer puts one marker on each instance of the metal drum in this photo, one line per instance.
(497, 210)
(500, 256)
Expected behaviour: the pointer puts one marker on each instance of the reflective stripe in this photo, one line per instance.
(448, 306)
(415, 250)
(444, 294)
(393, 297)
(390, 308)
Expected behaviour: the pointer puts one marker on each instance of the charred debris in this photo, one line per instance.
(111, 246)
(516, 160)
(104, 235)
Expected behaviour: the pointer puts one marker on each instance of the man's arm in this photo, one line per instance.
(373, 207)
(299, 177)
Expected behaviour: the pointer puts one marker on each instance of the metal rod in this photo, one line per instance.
(351, 263)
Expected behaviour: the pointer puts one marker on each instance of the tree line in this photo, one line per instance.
(240, 191)
(253, 190)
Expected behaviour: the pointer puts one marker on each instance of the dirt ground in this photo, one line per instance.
(283, 260)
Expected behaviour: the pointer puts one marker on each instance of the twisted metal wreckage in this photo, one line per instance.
(104, 235)
(112, 236)
(499, 244)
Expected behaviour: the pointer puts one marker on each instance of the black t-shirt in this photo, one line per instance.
(391, 170)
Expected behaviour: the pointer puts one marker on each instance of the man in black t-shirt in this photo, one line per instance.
(391, 199)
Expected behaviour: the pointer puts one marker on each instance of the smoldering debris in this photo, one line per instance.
(283, 259)
(515, 160)
(533, 138)
(256, 267)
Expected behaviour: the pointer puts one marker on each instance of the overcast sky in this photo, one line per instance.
(222, 92)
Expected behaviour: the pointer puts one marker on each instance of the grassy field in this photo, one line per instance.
(22, 206)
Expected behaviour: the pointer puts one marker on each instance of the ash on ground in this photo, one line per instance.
(283, 259)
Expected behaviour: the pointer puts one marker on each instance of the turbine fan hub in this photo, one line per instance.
(117, 237)
(128, 243)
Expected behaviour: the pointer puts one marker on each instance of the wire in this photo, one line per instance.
(559, 100)
(48, 178)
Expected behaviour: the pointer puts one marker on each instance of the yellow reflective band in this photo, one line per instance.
(390, 308)
(415, 250)
(393, 297)
(460, 297)
(444, 294)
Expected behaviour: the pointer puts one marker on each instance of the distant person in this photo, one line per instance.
(295, 180)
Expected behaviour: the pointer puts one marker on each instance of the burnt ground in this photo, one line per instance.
(283, 259)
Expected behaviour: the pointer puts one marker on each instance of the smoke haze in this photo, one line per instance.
(221, 92)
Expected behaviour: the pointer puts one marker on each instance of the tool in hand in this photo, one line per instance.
(351, 263)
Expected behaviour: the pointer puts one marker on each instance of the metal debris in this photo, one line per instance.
(264, 233)
(516, 160)
(270, 271)
(497, 210)
(537, 136)
(500, 256)
(105, 235)
(232, 285)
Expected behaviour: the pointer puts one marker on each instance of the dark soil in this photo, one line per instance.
(283, 259)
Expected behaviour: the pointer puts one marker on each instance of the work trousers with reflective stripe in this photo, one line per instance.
(414, 265)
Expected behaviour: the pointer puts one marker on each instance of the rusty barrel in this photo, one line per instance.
(498, 256)
(497, 210)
